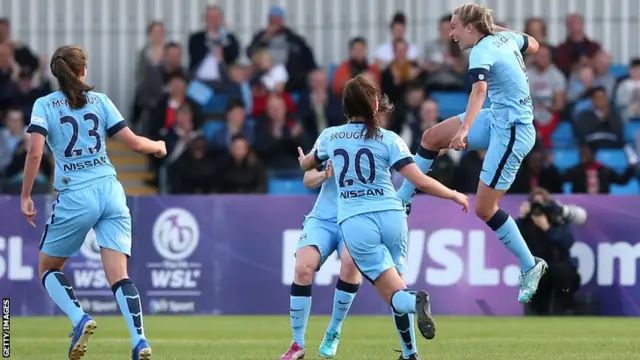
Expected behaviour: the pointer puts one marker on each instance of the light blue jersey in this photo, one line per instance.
(326, 206)
(77, 137)
(497, 59)
(361, 166)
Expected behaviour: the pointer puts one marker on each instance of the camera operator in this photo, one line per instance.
(545, 225)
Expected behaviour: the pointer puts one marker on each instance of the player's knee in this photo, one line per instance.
(304, 271)
(46, 263)
(431, 139)
(348, 269)
(483, 211)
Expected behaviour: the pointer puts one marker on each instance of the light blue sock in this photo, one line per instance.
(510, 236)
(406, 332)
(128, 300)
(61, 292)
(424, 159)
(404, 302)
(342, 299)
(299, 309)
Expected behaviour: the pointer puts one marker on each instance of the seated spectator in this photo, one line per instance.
(212, 48)
(406, 116)
(451, 75)
(163, 115)
(628, 93)
(240, 76)
(438, 51)
(547, 85)
(154, 81)
(599, 127)
(580, 83)
(385, 52)
(21, 54)
(536, 171)
(194, 171)
(268, 79)
(180, 135)
(400, 72)
(25, 93)
(278, 137)
(355, 65)
(242, 172)
(536, 28)
(287, 48)
(577, 48)
(235, 124)
(428, 117)
(548, 235)
(601, 64)
(11, 135)
(592, 177)
(468, 171)
(152, 53)
(319, 108)
(15, 171)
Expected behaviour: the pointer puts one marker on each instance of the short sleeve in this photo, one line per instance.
(114, 121)
(320, 148)
(480, 62)
(523, 42)
(38, 123)
(399, 154)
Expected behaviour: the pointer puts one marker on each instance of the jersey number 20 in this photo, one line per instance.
(69, 151)
(364, 152)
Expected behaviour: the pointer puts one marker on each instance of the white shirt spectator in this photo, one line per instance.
(543, 86)
(277, 75)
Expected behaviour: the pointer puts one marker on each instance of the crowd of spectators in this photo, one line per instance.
(232, 116)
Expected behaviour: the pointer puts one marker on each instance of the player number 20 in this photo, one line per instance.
(70, 150)
(357, 163)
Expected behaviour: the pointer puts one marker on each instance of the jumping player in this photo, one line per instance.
(505, 130)
(74, 122)
(370, 215)
(320, 238)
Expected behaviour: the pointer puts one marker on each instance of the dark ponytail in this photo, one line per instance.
(67, 65)
(358, 101)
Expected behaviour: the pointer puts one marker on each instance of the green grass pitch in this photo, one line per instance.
(363, 337)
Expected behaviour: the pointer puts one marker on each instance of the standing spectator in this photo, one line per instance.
(580, 84)
(215, 44)
(385, 53)
(406, 116)
(537, 172)
(355, 65)
(180, 135)
(536, 28)
(577, 47)
(628, 93)
(592, 177)
(240, 75)
(11, 135)
(194, 172)
(268, 79)
(400, 72)
(163, 116)
(152, 53)
(319, 108)
(276, 140)
(286, 47)
(438, 51)
(9, 71)
(601, 64)
(451, 75)
(242, 172)
(235, 124)
(21, 54)
(548, 86)
(154, 81)
(599, 127)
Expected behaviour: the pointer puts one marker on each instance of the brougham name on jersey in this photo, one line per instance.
(86, 164)
(355, 135)
(349, 194)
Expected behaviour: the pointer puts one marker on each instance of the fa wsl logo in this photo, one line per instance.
(175, 237)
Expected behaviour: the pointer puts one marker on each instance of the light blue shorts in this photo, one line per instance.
(506, 148)
(322, 234)
(102, 206)
(377, 241)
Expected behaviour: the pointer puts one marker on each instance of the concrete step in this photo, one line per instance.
(135, 175)
(140, 190)
(136, 160)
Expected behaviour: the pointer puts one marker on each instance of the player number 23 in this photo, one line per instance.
(69, 151)
(364, 152)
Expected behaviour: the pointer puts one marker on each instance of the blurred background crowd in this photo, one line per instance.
(233, 113)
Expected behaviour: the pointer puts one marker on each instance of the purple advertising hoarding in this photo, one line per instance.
(218, 254)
